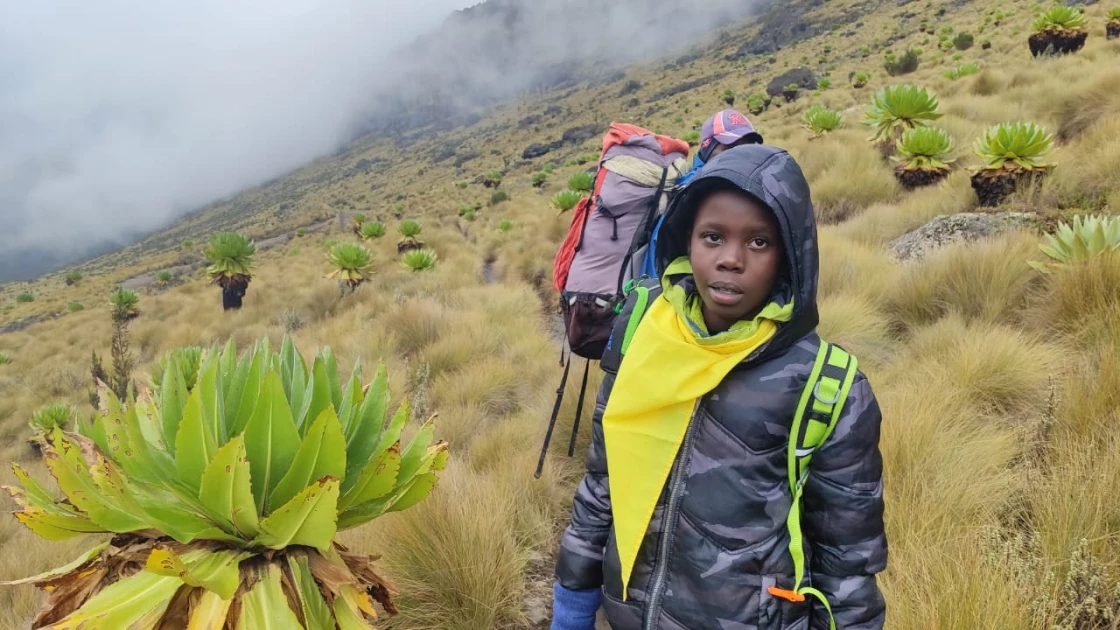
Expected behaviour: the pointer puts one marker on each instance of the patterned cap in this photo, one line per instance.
(727, 127)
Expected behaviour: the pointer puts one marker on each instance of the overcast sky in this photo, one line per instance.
(117, 115)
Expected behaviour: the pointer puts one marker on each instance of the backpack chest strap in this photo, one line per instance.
(818, 412)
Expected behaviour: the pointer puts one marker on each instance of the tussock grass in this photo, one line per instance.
(856, 325)
(997, 369)
(1082, 302)
(987, 281)
(848, 268)
(882, 223)
(847, 173)
(455, 558)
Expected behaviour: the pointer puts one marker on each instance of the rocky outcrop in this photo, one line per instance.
(684, 87)
(805, 79)
(575, 136)
(964, 227)
(537, 150)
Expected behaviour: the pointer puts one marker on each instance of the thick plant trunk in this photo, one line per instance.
(408, 245)
(232, 294)
(917, 178)
(1056, 42)
(993, 187)
(1113, 30)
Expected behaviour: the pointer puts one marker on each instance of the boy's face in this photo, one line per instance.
(736, 252)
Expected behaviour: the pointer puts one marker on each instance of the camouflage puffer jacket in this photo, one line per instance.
(718, 539)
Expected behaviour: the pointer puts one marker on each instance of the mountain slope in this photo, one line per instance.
(999, 385)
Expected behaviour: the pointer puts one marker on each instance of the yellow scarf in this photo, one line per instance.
(669, 365)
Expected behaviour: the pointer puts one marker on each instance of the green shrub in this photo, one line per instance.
(5, 359)
(419, 260)
(163, 277)
(74, 307)
(462, 185)
(566, 200)
(50, 417)
(756, 103)
(409, 228)
(25, 297)
(464, 210)
(1015, 146)
(860, 79)
(824, 83)
(925, 148)
(372, 229)
(73, 277)
(351, 263)
(962, 71)
(505, 225)
(548, 168)
(581, 182)
(1060, 18)
(539, 178)
(498, 197)
(470, 215)
(300, 232)
(1087, 238)
(821, 120)
(907, 63)
(124, 303)
(899, 107)
(963, 40)
(692, 137)
(186, 244)
(231, 255)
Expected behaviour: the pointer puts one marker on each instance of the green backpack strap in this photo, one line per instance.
(817, 414)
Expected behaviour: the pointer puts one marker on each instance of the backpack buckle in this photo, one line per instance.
(788, 595)
(817, 395)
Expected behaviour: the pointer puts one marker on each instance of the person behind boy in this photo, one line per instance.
(725, 129)
(680, 521)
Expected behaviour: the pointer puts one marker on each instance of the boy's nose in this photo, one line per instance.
(730, 259)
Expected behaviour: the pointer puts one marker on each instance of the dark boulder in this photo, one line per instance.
(630, 87)
(805, 79)
(578, 135)
(537, 150)
(684, 87)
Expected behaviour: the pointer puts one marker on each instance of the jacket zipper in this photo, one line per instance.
(661, 566)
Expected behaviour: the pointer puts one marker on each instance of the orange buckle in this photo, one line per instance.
(792, 596)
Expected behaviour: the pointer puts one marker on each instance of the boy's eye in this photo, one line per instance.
(711, 237)
(759, 242)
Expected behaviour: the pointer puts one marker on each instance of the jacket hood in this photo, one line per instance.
(770, 175)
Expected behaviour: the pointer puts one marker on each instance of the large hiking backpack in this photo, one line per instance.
(597, 257)
(605, 245)
(818, 411)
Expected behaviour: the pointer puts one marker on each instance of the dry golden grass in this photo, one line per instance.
(987, 281)
(1000, 387)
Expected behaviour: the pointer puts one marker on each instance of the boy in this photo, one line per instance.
(681, 520)
(724, 130)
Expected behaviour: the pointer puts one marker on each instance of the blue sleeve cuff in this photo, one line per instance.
(574, 610)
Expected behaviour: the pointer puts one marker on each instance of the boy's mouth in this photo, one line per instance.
(724, 293)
